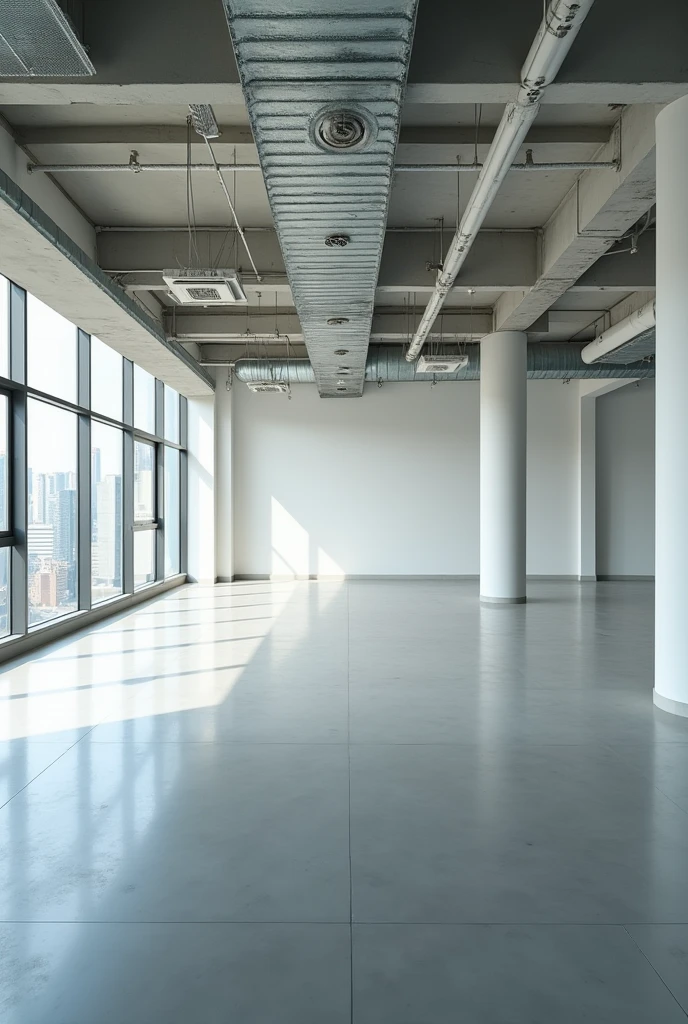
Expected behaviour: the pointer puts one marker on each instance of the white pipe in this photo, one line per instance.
(557, 31)
(627, 329)
(137, 168)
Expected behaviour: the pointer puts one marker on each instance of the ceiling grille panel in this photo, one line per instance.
(317, 74)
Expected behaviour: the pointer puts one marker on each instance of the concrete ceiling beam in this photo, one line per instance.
(235, 135)
(600, 207)
(500, 261)
(47, 246)
(388, 325)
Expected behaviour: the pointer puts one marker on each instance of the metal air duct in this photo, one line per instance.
(37, 39)
(631, 339)
(546, 361)
(324, 82)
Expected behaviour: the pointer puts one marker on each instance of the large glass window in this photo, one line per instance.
(51, 351)
(171, 415)
(5, 514)
(144, 400)
(82, 493)
(106, 380)
(52, 497)
(4, 327)
(144, 557)
(106, 512)
(144, 482)
(5, 554)
(4, 464)
(171, 521)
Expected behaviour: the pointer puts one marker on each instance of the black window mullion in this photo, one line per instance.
(160, 481)
(18, 463)
(84, 513)
(128, 478)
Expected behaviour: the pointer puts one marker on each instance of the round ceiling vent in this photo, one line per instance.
(337, 241)
(341, 351)
(343, 130)
(337, 321)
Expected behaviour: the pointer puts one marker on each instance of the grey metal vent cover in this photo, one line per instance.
(324, 82)
(640, 347)
(37, 40)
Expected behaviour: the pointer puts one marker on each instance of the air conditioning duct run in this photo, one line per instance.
(546, 361)
(631, 339)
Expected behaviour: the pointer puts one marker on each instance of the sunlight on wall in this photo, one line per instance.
(328, 567)
(293, 550)
(290, 543)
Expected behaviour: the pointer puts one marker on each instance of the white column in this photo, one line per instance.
(503, 467)
(201, 502)
(671, 454)
(224, 540)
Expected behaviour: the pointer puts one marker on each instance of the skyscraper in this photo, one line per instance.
(108, 550)
(95, 480)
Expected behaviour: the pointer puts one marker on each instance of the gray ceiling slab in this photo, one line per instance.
(300, 60)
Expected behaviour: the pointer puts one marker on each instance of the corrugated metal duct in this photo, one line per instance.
(324, 83)
(546, 361)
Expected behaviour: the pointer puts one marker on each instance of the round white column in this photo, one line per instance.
(671, 420)
(503, 467)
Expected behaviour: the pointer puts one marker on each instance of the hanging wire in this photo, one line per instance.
(478, 118)
(190, 209)
(231, 230)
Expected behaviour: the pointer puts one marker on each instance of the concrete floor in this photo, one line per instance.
(218, 805)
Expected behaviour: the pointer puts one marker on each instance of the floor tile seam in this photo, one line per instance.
(683, 1009)
(646, 775)
(344, 923)
(43, 770)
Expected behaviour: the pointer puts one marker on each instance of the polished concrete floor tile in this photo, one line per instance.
(176, 974)
(21, 761)
(180, 832)
(443, 713)
(236, 711)
(551, 834)
(665, 764)
(202, 791)
(505, 975)
(666, 948)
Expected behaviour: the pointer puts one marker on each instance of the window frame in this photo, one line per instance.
(18, 392)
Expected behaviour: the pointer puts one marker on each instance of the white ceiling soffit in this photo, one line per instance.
(37, 40)
(300, 62)
(38, 255)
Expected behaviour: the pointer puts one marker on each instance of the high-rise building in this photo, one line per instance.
(62, 516)
(4, 520)
(41, 543)
(95, 480)
(107, 563)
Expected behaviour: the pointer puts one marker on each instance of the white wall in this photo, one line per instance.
(625, 485)
(201, 498)
(388, 484)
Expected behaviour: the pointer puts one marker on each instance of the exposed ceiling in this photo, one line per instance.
(153, 59)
